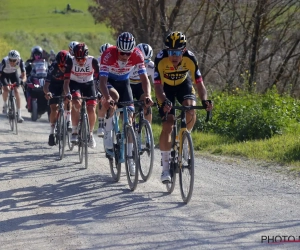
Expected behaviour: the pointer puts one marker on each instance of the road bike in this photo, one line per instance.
(12, 112)
(83, 131)
(120, 152)
(145, 140)
(182, 154)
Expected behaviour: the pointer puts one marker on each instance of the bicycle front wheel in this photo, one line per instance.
(115, 166)
(83, 142)
(131, 158)
(61, 134)
(186, 171)
(146, 150)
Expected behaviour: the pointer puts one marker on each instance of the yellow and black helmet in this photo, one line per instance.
(175, 40)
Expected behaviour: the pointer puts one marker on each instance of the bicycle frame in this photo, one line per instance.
(120, 135)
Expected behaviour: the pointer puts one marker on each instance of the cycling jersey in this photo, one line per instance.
(166, 73)
(82, 74)
(6, 68)
(54, 73)
(114, 69)
(134, 75)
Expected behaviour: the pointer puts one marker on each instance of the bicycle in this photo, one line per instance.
(119, 153)
(12, 112)
(83, 131)
(60, 132)
(145, 141)
(182, 154)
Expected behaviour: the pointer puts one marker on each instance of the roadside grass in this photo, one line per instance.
(33, 22)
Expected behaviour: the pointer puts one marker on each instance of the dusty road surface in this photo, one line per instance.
(50, 204)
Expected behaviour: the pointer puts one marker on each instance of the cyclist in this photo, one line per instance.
(54, 85)
(36, 54)
(51, 57)
(116, 64)
(135, 81)
(101, 112)
(171, 81)
(9, 74)
(81, 70)
(71, 47)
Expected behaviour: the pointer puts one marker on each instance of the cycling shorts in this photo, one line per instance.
(83, 89)
(56, 88)
(7, 78)
(123, 89)
(183, 91)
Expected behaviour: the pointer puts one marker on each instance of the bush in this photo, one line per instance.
(245, 116)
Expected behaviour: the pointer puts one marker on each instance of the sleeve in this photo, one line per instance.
(158, 70)
(68, 68)
(22, 66)
(49, 73)
(150, 70)
(104, 63)
(2, 66)
(194, 69)
(139, 61)
(96, 67)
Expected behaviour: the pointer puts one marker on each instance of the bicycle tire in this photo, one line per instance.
(16, 115)
(173, 166)
(70, 144)
(115, 166)
(34, 110)
(132, 180)
(146, 148)
(187, 169)
(9, 114)
(61, 134)
(83, 142)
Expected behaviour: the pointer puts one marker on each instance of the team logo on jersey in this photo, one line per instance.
(160, 54)
(191, 53)
(106, 57)
(156, 74)
(82, 69)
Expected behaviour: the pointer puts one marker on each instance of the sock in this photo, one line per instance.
(74, 130)
(108, 124)
(52, 126)
(19, 112)
(165, 158)
(129, 148)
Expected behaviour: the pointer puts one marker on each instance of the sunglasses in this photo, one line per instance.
(147, 60)
(174, 52)
(12, 60)
(124, 53)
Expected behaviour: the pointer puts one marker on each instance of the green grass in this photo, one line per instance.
(33, 22)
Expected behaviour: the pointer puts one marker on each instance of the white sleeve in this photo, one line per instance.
(150, 70)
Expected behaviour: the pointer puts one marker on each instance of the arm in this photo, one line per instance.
(146, 85)
(103, 87)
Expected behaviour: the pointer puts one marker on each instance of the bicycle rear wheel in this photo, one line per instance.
(146, 150)
(12, 114)
(115, 166)
(130, 136)
(70, 144)
(186, 171)
(171, 185)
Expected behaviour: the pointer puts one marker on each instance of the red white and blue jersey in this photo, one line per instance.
(117, 70)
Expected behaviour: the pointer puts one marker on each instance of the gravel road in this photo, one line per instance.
(50, 204)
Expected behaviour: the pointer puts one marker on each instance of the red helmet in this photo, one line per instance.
(61, 57)
(81, 51)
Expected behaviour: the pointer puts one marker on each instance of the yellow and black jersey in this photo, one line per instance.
(166, 73)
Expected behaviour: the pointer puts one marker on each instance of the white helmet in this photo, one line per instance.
(104, 47)
(71, 46)
(13, 54)
(126, 42)
(146, 50)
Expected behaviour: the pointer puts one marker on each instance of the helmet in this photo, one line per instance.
(52, 52)
(126, 42)
(13, 54)
(146, 50)
(71, 46)
(104, 47)
(81, 50)
(175, 40)
(62, 57)
(36, 52)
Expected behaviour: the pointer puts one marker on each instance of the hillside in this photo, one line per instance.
(25, 24)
